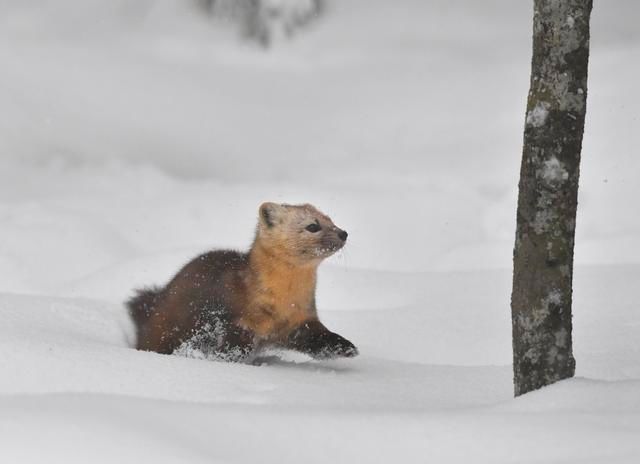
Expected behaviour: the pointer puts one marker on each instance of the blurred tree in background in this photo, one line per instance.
(266, 21)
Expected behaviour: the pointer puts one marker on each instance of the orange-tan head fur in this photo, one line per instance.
(299, 234)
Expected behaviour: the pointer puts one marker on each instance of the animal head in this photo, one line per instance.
(300, 233)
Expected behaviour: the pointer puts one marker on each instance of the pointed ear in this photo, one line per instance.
(268, 213)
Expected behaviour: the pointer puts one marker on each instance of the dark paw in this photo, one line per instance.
(316, 340)
(335, 346)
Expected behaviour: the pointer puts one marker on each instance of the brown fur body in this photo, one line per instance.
(231, 304)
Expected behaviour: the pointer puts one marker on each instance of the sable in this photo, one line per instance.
(231, 304)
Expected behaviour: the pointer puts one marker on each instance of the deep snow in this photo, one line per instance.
(134, 136)
(432, 384)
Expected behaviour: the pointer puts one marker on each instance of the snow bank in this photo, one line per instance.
(71, 380)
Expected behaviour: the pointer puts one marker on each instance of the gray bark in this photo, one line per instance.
(548, 195)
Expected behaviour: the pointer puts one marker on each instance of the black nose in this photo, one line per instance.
(343, 235)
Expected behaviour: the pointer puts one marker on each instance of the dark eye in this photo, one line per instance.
(314, 228)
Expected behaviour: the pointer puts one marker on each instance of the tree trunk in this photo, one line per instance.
(548, 195)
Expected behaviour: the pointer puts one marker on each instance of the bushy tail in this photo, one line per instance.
(142, 304)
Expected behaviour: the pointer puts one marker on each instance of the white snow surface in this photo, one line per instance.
(136, 134)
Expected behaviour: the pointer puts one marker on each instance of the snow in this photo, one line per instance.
(133, 137)
(538, 115)
(70, 379)
(553, 171)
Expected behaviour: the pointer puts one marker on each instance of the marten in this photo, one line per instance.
(231, 305)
